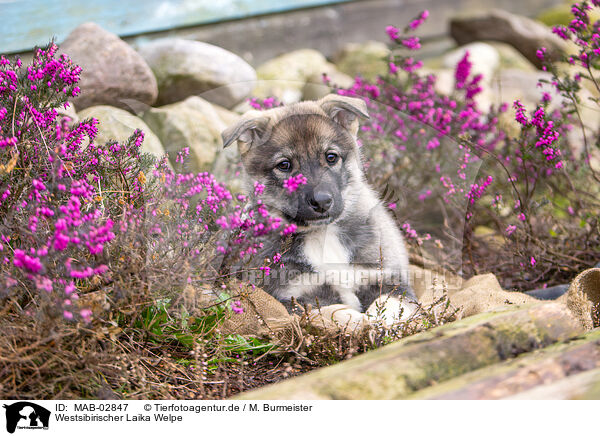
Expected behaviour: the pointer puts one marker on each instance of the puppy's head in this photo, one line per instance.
(316, 139)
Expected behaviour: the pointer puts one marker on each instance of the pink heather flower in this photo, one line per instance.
(510, 229)
(253, 102)
(411, 66)
(277, 258)
(392, 32)
(182, 155)
(70, 288)
(412, 43)
(571, 210)
(433, 143)
(477, 189)
(392, 206)
(409, 231)
(423, 197)
(68, 315)
(393, 68)
(86, 314)
(522, 217)
(269, 102)
(541, 53)
(414, 24)
(546, 97)
(24, 261)
(289, 229)
(520, 116)
(561, 31)
(266, 270)
(463, 70)
(38, 185)
(294, 182)
(259, 188)
(532, 260)
(236, 306)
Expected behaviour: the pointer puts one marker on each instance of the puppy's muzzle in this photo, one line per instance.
(320, 201)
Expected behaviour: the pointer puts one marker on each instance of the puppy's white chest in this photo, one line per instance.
(324, 250)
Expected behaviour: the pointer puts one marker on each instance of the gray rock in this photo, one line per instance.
(551, 293)
(368, 59)
(192, 123)
(113, 73)
(284, 76)
(185, 68)
(524, 34)
(118, 124)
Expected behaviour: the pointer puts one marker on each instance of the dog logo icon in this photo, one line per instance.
(26, 415)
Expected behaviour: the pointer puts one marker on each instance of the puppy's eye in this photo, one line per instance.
(284, 165)
(331, 158)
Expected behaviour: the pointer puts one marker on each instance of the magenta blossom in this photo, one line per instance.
(294, 182)
(392, 32)
(236, 306)
(414, 24)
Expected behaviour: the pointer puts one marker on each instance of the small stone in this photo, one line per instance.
(550, 293)
(113, 73)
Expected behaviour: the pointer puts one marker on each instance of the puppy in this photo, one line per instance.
(347, 252)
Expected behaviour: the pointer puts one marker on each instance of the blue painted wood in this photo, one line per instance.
(27, 23)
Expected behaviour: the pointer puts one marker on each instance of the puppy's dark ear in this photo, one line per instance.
(247, 132)
(345, 110)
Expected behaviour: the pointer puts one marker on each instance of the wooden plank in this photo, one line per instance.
(27, 23)
(435, 356)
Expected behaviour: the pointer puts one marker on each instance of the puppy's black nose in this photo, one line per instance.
(320, 201)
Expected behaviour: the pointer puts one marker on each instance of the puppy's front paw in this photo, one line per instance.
(391, 309)
(342, 315)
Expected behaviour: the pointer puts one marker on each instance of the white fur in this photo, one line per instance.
(342, 315)
(388, 309)
(323, 248)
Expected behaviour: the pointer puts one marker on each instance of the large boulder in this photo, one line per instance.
(113, 73)
(284, 76)
(524, 34)
(118, 124)
(185, 68)
(192, 123)
(510, 57)
(367, 59)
